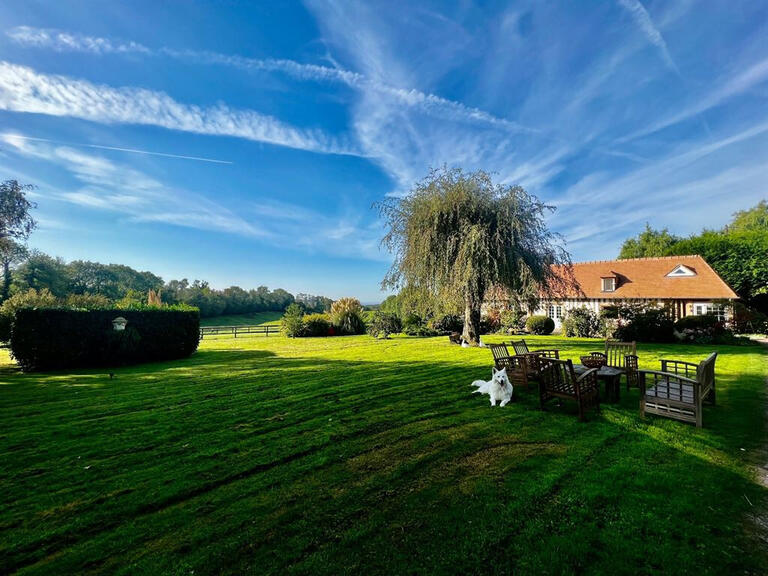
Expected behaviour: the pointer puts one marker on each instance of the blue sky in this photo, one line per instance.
(246, 144)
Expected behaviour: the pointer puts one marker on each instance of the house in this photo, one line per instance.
(687, 284)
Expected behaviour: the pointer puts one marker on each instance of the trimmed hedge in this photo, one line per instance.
(55, 338)
(541, 325)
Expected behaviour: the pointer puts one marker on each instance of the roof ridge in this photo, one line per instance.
(638, 259)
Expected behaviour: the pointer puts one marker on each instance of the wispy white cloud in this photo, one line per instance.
(426, 102)
(645, 23)
(23, 89)
(120, 189)
(66, 42)
(738, 83)
(129, 150)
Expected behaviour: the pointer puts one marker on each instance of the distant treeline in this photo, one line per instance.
(122, 284)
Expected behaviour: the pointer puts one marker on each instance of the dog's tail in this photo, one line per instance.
(478, 383)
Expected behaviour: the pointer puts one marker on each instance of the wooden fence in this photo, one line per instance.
(238, 330)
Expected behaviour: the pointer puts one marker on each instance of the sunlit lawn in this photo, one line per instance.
(254, 319)
(355, 456)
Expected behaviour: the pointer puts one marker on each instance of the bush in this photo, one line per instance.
(512, 321)
(316, 325)
(540, 325)
(582, 322)
(447, 323)
(292, 322)
(59, 338)
(382, 325)
(703, 329)
(748, 320)
(347, 316)
(29, 299)
(642, 323)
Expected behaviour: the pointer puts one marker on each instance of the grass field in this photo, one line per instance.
(255, 319)
(350, 455)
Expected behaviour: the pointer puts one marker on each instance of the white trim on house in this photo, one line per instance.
(681, 271)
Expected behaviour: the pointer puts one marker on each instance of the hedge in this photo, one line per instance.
(540, 325)
(55, 338)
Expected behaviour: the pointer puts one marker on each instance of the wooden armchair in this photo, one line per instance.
(516, 366)
(533, 357)
(679, 389)
(616, 353)
(558, 380)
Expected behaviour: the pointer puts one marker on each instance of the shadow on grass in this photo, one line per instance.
(325, 463)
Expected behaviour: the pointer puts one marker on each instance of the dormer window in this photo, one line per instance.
(681, 271)
(609, 283)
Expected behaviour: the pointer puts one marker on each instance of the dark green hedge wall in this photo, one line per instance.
(51, 339)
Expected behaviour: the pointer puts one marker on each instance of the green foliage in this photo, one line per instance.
(316, 325)
(29, 299)
(11, 253)
(55, 338)
(292, 323)
(447, 323)
(42, 272)
(347, 316)
(512, 320)
(540, 325)
(641, 323)
(738, 253)
(277, 456)
(740, 258)
(753, 220)
(312, 303)
(582, 322)
(648, 243)
(382, 324)
(747, 320)
(703, 329)
(15, 221)
(457, 235)
(87, 301)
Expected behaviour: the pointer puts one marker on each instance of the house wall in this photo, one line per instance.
(680, 307)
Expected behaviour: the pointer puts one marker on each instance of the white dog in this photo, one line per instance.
(499, 388)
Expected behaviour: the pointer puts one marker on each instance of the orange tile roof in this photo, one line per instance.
(640, 278)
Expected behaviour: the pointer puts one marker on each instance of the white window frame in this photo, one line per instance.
(604, 281)
(718, 310)
(555, 311)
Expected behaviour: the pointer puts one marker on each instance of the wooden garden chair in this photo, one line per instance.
(621, 355)
(558, 380)
(516, 366)
(533, 357)
(679, 389)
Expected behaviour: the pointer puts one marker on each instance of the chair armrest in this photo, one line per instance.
(548, 352)
(672, 375)
(586, 381)
(679, 367)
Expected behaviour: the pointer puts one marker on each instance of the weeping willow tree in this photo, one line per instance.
(458, 235)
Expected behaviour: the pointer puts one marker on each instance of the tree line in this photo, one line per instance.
(116, 283)
(738, 252)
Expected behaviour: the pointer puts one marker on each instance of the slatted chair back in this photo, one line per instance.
(616, 352)
(632, 371)
(499, 351)
(520, 346)
(705, 372)
(558, 377)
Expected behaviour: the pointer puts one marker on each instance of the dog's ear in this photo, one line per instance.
(494, 370)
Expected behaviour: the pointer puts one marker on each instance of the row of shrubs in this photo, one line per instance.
(344, 318)
(646, 323)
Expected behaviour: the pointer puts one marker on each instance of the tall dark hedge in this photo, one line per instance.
(51, 339)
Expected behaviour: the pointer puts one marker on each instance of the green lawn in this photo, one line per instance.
(255, 319)
(355, 456)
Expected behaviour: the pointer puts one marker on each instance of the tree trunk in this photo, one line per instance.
(6, 288)
(471, 323)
